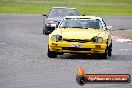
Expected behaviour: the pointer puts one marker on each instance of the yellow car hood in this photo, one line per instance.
(76, 33)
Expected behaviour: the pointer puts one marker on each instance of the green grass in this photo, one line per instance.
(89, 7)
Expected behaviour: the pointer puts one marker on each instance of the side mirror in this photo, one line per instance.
(109, 27)
(45, 15)
(57, 24)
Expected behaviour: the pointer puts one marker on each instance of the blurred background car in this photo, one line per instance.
(55, 15)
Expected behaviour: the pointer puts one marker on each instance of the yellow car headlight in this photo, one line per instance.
(56, 38)
(97, 39)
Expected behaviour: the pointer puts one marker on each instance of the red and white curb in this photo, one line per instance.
(120, 39)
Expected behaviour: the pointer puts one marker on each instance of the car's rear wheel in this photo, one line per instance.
(51, 54)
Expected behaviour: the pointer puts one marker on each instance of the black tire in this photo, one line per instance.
(43, 31)
(51, 54)
(46, 33)
(104, 55)
(110, 50)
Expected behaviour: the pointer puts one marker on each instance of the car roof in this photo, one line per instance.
(92, 17)
(62, 8)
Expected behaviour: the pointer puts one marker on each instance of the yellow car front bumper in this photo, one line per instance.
(67, 47)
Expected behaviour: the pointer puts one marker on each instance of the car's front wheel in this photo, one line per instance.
(104, 55)
(51, 54)
(110, 50)
(45, 31)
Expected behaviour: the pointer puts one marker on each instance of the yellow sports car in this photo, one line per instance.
(81, 34)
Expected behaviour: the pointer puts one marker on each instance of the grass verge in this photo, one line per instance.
(89, 7)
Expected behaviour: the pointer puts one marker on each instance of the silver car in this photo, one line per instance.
(55, 15)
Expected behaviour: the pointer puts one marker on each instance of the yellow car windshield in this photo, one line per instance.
(83, 23)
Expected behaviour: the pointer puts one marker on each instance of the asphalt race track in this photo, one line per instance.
(24, 63)
(119, 22)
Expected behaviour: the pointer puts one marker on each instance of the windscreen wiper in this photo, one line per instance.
(76, 27)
